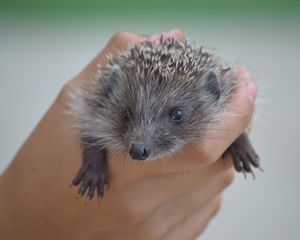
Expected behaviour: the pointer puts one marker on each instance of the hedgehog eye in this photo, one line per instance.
(176, 115)
(126, 115)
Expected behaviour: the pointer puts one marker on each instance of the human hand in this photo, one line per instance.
(173, 198)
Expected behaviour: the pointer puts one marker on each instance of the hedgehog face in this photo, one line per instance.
(155, 116)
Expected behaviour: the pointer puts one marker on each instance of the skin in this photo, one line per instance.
(172, 198)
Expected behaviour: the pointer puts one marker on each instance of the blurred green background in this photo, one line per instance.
(154, 10)
(160, 6)
(44, 43)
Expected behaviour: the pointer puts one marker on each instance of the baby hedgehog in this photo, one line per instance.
(151, 100)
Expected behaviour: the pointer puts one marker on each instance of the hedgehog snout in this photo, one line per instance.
(139, 151)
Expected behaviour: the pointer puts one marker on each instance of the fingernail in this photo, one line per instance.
(242, 73)
(155, 38)
(174, 33)
(252, 90)
(171, 33)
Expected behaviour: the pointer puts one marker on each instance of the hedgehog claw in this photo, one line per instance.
(92, 175)
(244, 155)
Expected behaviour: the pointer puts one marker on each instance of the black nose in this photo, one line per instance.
(139, 151)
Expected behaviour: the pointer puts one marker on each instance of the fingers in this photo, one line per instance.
(176, 33)
(167, 187)
(174, 212)
(188, 228)
(194, 225)
(174, 197)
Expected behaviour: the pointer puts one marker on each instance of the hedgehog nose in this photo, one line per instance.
(139, 151)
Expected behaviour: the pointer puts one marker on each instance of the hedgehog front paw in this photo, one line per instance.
(92, 175)
(244, 155)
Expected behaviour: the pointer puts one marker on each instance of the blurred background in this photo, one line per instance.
(44, 43)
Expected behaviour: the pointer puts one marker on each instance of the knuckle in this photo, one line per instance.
(217, 206)
(201, 152)
(247, 116)
(64, 93)
(149, 232)
(205, 151)
(227, 177)
(119, 36)
(210, 156)
(131, 215)
(245, 110)
(178, 32)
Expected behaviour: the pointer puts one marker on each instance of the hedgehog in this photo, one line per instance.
(151, 100)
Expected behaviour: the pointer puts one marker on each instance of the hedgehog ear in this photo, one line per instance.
(111, 81)
(211, 82)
